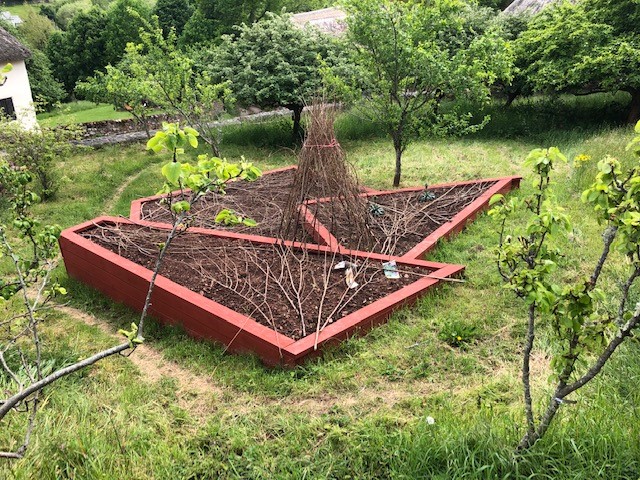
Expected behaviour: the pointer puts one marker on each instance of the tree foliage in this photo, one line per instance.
(39, 151)
(214, 18)
(414, 56)
(157, 73)
(64, 12)
(35, 30)
(593, 45)
(25, 290)
(46, 90)
(3, 73)
(122, 87)
(123, 26)
(587, 325)
(173, 14)
(271, 63)
(81, 50)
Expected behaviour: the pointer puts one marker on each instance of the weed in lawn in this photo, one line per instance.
(458, 333)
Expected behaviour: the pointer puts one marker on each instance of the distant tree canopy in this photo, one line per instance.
(495, 4)
(63, 13)
(36, 30)
(46, 90)
(173, 14)
(591, 46)
(123, 26)
(271, 63)
(81, 50)
(214, 18)
(95, 39)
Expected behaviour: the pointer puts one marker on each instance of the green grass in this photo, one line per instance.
(80, 112)
(21, 10)
(359, 411)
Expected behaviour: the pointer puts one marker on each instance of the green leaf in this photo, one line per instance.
(172, 172)
(496, 198)
(180, 207)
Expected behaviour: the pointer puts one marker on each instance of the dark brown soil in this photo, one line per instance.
(406, 220)
(277, 286)
(262, 200)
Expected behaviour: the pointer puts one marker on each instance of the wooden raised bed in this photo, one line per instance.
(127, 282)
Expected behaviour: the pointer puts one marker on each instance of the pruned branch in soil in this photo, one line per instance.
(405, 219)
(322, 172)
(263, 200)
(294, 291)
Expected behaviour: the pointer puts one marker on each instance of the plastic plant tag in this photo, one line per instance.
(344, 264)
(350, 278)
(390, 269)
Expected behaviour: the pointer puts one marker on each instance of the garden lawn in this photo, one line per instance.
(361, 410)
(81, 112)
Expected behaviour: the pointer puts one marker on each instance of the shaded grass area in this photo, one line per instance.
(361, 410)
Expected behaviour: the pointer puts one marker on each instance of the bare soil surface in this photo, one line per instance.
(263, 200)
(399, 221)
(294, 292)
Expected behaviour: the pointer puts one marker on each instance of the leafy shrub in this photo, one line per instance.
(39, 151)
(457, 333)
(46, 90)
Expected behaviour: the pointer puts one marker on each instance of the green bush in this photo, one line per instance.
(39, 151)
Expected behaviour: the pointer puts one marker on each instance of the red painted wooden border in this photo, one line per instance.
(127, 282)
(503, 185)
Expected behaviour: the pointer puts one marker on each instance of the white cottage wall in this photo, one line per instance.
(18, 89)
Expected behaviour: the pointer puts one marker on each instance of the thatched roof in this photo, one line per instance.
(10, 48)
(527, 6)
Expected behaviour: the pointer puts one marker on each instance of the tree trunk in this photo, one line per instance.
(511, 96)
(634, 108)
(396, 177)
(297, 115)
(532, 437)
(526, 370)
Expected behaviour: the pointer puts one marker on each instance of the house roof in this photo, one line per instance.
(527, 6)
(10, 48)
(327, 20)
